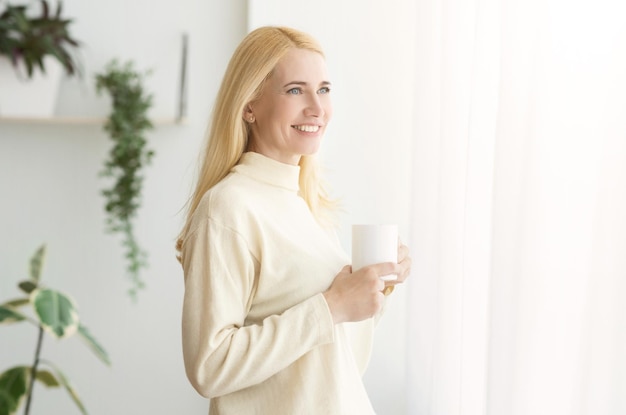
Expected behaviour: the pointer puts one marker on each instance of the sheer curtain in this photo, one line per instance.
(519, 208)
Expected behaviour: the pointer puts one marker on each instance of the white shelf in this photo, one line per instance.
(81, 120)
(179, 119)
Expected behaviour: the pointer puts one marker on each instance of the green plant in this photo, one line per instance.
(52, 312)
(126, 125)
(29, 39)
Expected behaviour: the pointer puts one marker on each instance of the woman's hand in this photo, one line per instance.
(356, 296)
(404, 263)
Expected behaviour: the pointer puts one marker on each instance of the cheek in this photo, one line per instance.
(273, 118)
(283, 112)
(328, 110)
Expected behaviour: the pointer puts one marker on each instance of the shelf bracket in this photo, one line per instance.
(182, 91)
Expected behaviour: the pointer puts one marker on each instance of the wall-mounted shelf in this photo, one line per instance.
(81, 120)
(181, 105)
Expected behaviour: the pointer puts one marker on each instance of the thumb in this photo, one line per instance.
(385, 268)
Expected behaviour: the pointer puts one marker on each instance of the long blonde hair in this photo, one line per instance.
(251, 64)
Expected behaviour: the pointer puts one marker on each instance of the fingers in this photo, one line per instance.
(377, 285)
(380, 284)
(404, 269)
(377, 271)
(382, 269)
(355, 297)
(404, 262)
(403, 252)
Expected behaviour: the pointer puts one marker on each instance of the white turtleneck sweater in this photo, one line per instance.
(258, 337)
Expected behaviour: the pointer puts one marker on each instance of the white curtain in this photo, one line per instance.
(517, 299)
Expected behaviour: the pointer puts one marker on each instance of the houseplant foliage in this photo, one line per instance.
(53, 312)
(28, 39)
(126, 125)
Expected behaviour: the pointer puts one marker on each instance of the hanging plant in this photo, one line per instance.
(126, 125)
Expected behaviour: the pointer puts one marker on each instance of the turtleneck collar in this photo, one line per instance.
(267, 170)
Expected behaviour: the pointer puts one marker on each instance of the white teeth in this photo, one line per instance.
(307, 128)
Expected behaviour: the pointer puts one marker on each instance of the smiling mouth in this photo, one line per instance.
(307, 128)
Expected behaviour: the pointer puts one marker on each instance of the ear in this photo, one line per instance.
(248, 114)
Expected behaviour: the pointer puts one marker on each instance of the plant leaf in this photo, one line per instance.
(36, 263)
(9, 315)
(8, 406)
(13, 387)
(63, 380)
(47, 378)
(18, 302)
(27, 286)
(93, 344)
(56, 312)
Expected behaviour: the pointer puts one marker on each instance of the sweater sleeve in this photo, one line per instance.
(221, 354)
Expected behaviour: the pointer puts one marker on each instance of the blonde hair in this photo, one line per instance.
(251, 64)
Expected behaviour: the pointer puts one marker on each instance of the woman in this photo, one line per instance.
(268, 295)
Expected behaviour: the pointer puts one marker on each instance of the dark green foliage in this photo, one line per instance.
(126, 126)
(30, 39)
(13, 388)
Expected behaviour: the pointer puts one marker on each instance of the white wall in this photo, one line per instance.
(50, 189)
(49, 192)
(369, 50)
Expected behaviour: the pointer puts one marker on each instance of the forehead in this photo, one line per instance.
(301, 65)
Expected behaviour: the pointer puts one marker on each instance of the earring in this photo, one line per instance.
(251, 119)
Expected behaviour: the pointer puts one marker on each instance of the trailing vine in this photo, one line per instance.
(126, 126)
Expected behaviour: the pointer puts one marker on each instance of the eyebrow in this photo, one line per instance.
(323, 83)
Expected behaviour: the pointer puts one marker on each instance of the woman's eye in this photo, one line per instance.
(324, 90)
(294, 91)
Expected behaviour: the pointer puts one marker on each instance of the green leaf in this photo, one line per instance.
(93, 344)
(27, 286)
(8, 406)
(64, 381)
(56, 312)
(36, 263)
(47, 378)
(13, 387)
(18, 302)
(9, 315)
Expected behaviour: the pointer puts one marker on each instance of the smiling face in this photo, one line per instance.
(290, 117)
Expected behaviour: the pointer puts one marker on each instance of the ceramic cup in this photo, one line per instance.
(373, 244)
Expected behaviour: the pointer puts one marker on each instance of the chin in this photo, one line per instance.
(309, 148)
(309, 151)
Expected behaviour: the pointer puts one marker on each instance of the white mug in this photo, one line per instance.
(373, 244)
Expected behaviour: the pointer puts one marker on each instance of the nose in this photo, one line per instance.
(314, 107)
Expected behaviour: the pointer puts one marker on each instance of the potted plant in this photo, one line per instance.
(33, 50)
(126, 125)
(52, 312)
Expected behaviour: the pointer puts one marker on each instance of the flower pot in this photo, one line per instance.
(22, 97)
